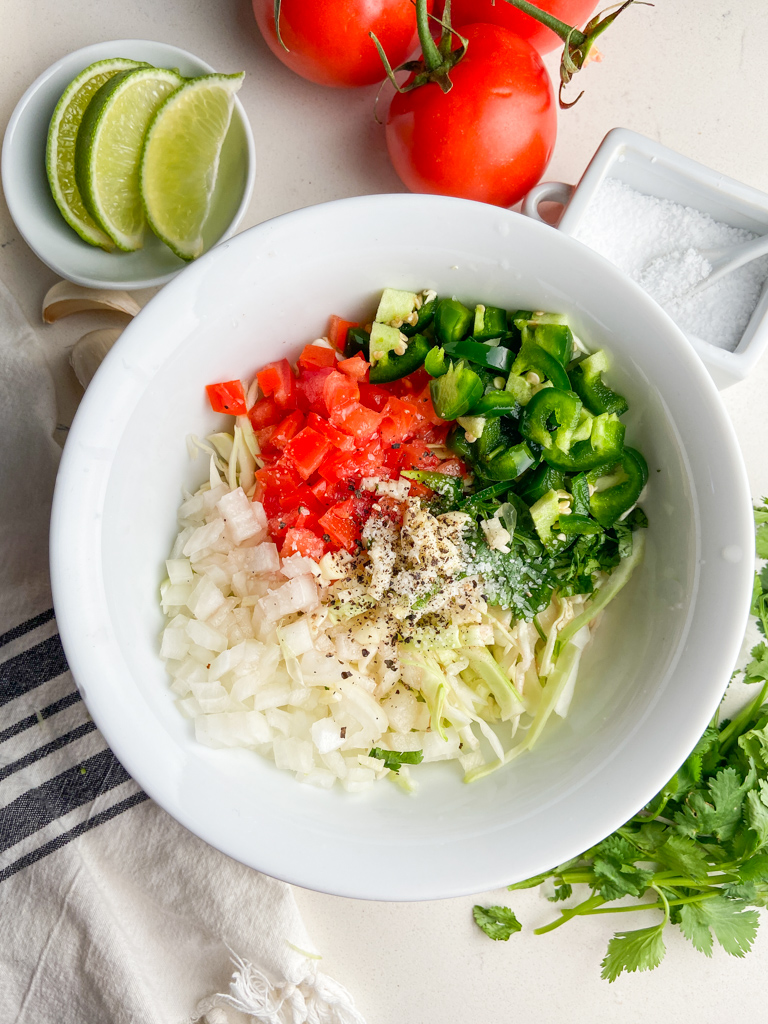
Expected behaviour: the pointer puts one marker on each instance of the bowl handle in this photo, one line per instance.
(546, 192)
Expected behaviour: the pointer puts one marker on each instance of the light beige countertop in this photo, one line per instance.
(688, 73)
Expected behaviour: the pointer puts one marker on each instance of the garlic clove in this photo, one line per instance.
(87, 355)
(65, 298)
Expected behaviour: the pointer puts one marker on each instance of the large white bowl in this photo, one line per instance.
(648, 685)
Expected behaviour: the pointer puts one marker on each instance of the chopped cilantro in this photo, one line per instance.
(497, 922)
(394, 758)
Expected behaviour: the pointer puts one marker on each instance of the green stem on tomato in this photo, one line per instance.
(432, 56)
(277, 25)
(566, 32)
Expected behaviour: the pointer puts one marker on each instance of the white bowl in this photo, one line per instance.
(36, 215)
(650, 682)
(648, 167)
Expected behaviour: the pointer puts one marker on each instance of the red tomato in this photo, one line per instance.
(573, 12)
(306, 450)
(227, 397)
(277, 379)
(328, 43)
(316, 356)
(490, 138)
(339, 391)
(310, 387)
(337, 438)
(355, 419)
(302, 542)
(356, 367)
(265, 413)
(337, 331)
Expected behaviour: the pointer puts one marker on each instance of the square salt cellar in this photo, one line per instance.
(654, 170)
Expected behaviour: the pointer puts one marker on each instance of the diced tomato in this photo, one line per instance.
(338, 524)
(451, 467)
(336, 467)
(420, 490)
(416, 455)
(264, 437)
(390, 507)
(307, 450)
(302, 497)
(431, 433)
(398, 420)
(414, 383)
(394, 457)
(277, 379)
(310, 387)
(339, 391)
(228, 397)
(355, 419)
(302, 542)
(423, 402)
(265, 413)
(337, 438)
(315, 356)
(356, 367)
(337, 331)
(374, 397)
(281, 478)
(319, 488)
(286, 429)
(270, 501)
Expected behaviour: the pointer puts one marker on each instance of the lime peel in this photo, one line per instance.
(60, 147)
(180, 159)
(109, 146)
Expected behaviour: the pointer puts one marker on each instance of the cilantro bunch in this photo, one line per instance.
(698, 853)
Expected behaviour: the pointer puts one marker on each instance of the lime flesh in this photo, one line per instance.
(60, 149)
(180, 160)
(108, 150)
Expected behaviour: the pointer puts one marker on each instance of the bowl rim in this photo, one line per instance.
(25, 219)
(73, 590)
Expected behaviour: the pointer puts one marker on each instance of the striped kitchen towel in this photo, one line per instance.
(110, 911)
(58, 778)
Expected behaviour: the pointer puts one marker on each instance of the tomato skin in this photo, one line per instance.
(328, 43)
(490, 138)
(227, 397)
(573, 12)
(337, 331)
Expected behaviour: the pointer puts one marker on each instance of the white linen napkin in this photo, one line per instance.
(111, 911)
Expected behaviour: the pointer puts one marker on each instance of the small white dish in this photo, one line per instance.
(655, 170)
(649, 683)
(36, 215)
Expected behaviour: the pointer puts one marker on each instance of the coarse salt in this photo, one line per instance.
(656, 242)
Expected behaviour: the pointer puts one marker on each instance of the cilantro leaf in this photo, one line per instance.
(761, 541)
(615, 872)
(394, 758)
(639, 950)
(684, 855)
(756, 812)
(734, 927)
(755, 869)
(757, 669)
(721, 817)
(497, 922)
(562, 892)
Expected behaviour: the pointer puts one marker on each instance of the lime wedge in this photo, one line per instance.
(108, 150)
(60, 150)
(180, 160)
